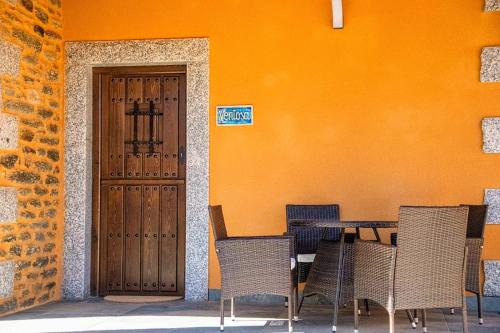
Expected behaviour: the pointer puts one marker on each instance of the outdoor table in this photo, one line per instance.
(328, 223)
(342, 225)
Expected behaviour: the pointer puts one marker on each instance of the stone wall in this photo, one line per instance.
(31, 179)
(492, 5)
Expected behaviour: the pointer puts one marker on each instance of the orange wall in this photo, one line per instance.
(385, 112)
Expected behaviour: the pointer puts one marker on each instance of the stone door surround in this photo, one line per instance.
(81, 57)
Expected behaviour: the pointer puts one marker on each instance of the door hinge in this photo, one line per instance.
(182, 154)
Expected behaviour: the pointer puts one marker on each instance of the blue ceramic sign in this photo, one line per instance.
(237, 115)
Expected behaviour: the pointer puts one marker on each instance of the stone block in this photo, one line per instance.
(492, 278)
(8, 204)
(6, 278)
(8, 161)
(24, 177)
(10, 56)
(27, 39)
(492, 199)
(492, 5)
(8, 127)
(491, 135)
(28, 4)
(8, 131)
(490, 64)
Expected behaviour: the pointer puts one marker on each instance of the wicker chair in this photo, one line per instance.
(316, 266)
(475, 238)
(308, 239)
(254, 266)
(426, 270)
(324, 278)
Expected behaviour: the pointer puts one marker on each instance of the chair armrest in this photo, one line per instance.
(374, 272)
(474, 243)
(255, 265)
(254, 237)
(272, 246)
(293, 237)
(473, 264)
(286, 235)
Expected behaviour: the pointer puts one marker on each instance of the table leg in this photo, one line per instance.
(325, 234)
(377, 236)
(340, 273)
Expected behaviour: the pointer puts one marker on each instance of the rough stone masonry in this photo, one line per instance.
(30, 153)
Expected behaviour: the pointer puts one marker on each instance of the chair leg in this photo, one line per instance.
(464, 315)
(410, 318)
(295, 303)
(290, 311)
(233, 317)
(391, 321)
(424, 321)
(367, 308)
(415, 316)
(300, 304)
(335, 316)
(479, 308)
(221, 313)
(356, 316)
(286, 298)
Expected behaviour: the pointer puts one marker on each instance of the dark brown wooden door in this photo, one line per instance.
(140, 172)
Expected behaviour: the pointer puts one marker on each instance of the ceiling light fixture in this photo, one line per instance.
(338, 18)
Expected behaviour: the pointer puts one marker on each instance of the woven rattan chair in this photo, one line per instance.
(426, 270)
(324, 279)
(308, 239)
(254, 266)
(317, 256)
(475, 238)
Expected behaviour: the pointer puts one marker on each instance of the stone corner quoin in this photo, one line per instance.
(8, 205)
(10, 56)
(6, 278)
(492, 6)
(490, 64)
(492, 278)
(491, 135)
(492, 199)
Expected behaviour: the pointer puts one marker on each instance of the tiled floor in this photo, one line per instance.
(97, 315)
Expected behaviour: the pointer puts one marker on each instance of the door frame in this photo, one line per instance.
(96, 285)
(80, 58)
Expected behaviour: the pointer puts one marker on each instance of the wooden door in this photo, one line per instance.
(139, 180)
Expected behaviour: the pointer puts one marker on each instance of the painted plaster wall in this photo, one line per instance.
(382, 113)
(30, 153)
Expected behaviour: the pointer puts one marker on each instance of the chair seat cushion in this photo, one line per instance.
(306, 257)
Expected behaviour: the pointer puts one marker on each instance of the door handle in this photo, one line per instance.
(182, 154)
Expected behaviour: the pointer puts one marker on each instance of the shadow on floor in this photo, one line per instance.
(97, 315)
